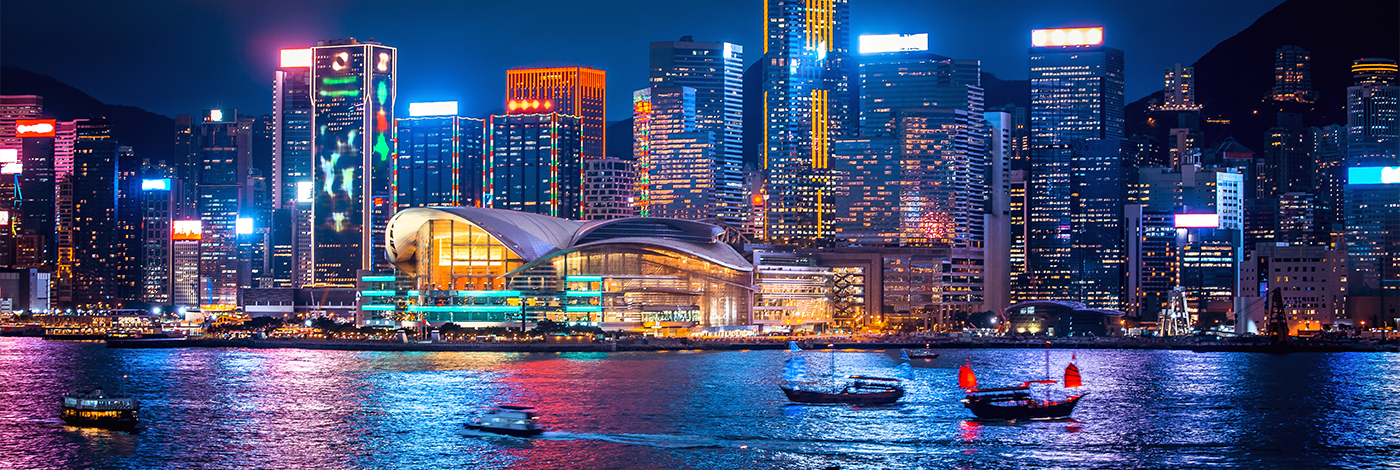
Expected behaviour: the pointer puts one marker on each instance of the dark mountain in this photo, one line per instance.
(150, 135)
(1234, 77)
(998, 92)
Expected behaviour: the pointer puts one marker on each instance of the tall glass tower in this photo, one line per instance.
(1076, 96)
(352, 95)
(715, 70)
(807, 104)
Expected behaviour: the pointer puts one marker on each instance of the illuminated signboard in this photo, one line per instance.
(306, 191)
(522, 106)
(1197, 220)
(244, 226)
(4, 218)
(435, 108)
(9, 155)
(187, 230)
(1067, 37)
(214, 115)
(1373, 175)
(296, 58)
(11, 168)
(162, 184)
(9, 162)
(35, 127)
(878, 43)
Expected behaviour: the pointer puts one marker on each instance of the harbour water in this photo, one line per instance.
(289, 408)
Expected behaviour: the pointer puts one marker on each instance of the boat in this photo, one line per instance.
(511, 420)
(1012, 403)
(918, 355)
(832, 389)
(98, 409)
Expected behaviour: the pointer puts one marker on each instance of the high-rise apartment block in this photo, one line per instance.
(1293, 75)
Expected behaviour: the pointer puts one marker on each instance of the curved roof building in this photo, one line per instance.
(629, 273)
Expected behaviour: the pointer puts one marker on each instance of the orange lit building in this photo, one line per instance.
(576, 91)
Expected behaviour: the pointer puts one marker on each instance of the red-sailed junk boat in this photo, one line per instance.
(1017, 402)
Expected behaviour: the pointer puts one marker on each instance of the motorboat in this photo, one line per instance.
(511, 420)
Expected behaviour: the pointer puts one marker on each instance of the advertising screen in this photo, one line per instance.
(1373, 175)
(35, 127)
(1067, 37)
(187, 230)
(878, 43)
(1197, 220)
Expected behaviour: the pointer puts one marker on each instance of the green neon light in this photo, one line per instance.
(377, 307)
(334, 93)
(487, 293)
(377, 293)
(582, 308)
(583, 293)
(586, 278)
(413, 292)
(339, 80)
(378, 278)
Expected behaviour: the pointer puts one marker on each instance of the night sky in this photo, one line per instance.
(178, 57)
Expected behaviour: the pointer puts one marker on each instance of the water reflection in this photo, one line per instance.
(687, 409)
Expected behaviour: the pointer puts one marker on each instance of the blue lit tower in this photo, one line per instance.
(292, 167)
(715, 70)
(353, 87)
(223, 170)
(1076, 96)
(441, 159)
(807, 104)
(536, 164)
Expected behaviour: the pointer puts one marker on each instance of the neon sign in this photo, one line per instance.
(35, 127)
(435, 108)
(1197, 220)
(187, 230)
(296, 58)
(1373, 175)
(162, 184)
(879, 43)
(1067, 37)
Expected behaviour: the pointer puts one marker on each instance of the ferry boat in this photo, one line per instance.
(511, 420)
(1011, 403)
(98, 409)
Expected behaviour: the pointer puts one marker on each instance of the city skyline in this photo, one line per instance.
(239, 68)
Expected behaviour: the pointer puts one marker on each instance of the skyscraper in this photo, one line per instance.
(679, 164)
(1292, 75)
(224, 164)
(715, 71)
(37, 205)
(1373, 110)
(94, 218)
(441, 157)
(536, 165)
(13, 108)
(576, 91)
(608, 189)
(158, 204)
(1179, 93)
(353, 90)
(1076, 96)
(807, 103)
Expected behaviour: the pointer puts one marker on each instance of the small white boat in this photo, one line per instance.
(511, 420)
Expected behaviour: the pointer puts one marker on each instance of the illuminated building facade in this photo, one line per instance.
(609, 188)
(679, 162)
(536, 164)
(1076, 96)
(94, 219)
(1372, 244)
(576, 91)
(808, 103)
(1152, 264)
(1373, 109)
(292, 167)
(1179, 93)
(894, 80)
(159, 206)
(715, 71)
(32, 165)
(1310, 279)
(184, 263)
(1293, 75)
(13, 108)
(868, 198)
(792, 291)
(441, 161)
(353, 87)
(222, 145)
(488, 267)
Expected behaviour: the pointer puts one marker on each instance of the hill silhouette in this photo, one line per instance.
(1234, 77)
(150, 135)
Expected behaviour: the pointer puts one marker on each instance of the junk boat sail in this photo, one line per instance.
(98, 409)
(511, 420)
(1017, 402)
(856, 389)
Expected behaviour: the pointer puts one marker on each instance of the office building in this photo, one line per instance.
(352, 98)
(680, 165)
(609, 187)
(33, 166)
(1373, 110)
(575, 91)
(94, 249)
(222, 148)
(536, 164)
(440, 158)
(1151, 261)
(14, 108)
(159, 204)
(1076, 97)
(808, 103)
(184, 263)
(715, 71)
(1311, 281)
(1373, 249)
